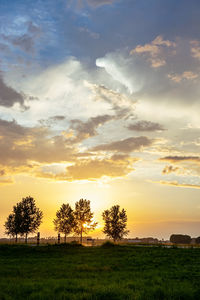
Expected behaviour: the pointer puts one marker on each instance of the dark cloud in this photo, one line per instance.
(52, 120)
(84, 130)
(2, 173)
(25, 42)
(176, 159)
(145, 126)
(126, 145)
(19, 146)
(28, 149)
(9, 96)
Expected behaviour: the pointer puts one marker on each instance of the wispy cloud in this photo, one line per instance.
(177, 184)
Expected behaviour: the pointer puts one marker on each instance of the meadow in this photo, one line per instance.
(108, 272)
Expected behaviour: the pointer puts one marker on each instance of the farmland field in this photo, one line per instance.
(109, 272)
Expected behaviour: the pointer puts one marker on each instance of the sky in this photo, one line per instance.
(100, 99)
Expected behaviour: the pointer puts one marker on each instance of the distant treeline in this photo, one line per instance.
(26, 218)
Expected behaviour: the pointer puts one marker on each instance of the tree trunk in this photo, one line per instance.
(65, 239)
(81, 234)
(16, 238)
(26, 238)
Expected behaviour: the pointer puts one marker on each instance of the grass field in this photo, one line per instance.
(119, 272)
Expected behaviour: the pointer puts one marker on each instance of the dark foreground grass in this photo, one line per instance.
(77, 273)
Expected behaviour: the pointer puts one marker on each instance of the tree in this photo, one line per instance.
(64, 222)
(13, 222)
(197, 240)
(83, 218)
(115, 223)
(31, 216)
(180, 239)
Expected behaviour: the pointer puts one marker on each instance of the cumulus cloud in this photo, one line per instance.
(30, 149)
(187, 75)
(126, 145)
(97, 168)
(20, 146)
(155, 52)
(8, 95)
(187, 165)
(195, 49)
(145, 126)
(169, 169)
(156, 85)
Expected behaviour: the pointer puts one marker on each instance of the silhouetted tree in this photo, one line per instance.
(64, 222)
(115, 223)
(197, 240)
(31, 216)
(14, 222)
(180, 239)
(83, 218)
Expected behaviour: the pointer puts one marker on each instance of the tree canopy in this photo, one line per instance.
(25, 218)
(13, 224)
(115, 223)
(64, 221)
(83, 218)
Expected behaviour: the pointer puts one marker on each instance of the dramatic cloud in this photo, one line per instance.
(126, 145)
(21, 146)
(9, 96)
(30, 149)
(145, 126)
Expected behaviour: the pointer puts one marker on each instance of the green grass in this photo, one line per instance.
(119, 272)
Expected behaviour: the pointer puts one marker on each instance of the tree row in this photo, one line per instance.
(26, 218)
